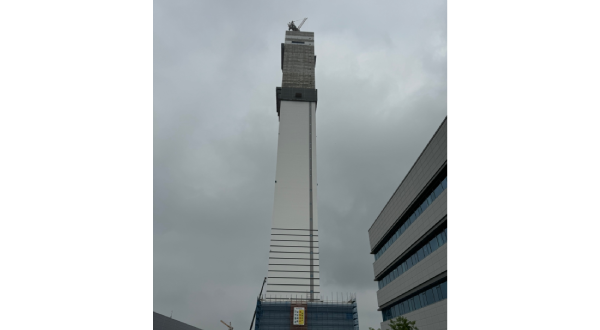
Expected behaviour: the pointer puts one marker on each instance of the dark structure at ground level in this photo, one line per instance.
(162, 322)
(273, 314)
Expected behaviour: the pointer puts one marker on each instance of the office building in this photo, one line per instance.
(409, 242)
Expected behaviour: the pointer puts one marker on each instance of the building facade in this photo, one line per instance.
(409, 242)
(294, 249)
(292, 299)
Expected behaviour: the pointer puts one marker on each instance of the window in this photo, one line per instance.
(429, 294)
(435, 294)
(406, 307)
(409, 263)
(427, 249)
(438, 190)
(424, 205)
(444, 288)
(410, 219)
(418, 212)
(415, 259)
(298, 95)
(445, 183)
(417, 302)
(439, 291)
(420, 254)
(440, 240)
(423, 299)
(434, 244)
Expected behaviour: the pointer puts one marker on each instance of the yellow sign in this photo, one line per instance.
(298, 315)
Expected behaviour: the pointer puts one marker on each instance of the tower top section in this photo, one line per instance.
(298, 60)
(300, 38)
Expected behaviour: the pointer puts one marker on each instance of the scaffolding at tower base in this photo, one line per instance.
(274, 313)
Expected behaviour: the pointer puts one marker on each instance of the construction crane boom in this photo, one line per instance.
(293, 27)
(304, 20)
(227, 325)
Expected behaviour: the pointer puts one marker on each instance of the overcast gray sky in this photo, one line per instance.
(381, 76)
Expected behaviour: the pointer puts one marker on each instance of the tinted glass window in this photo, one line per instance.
(411, 303)
(430, 199)
(445, 183)
(429, 294)
(435, 294)
(444, 287)
(440, 240)
(426, 250)
(406, 307)
(439, 291)
(424, 205)
(404, 266)
(420, 254)
(412, 218)
(424, 301)
(401, 308)
(409, 263)
(434, 244)
(395, 272)
(415, 259)
(418, 212)
(417, 302)
(438, 190)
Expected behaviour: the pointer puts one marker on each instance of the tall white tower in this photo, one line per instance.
(294, 249)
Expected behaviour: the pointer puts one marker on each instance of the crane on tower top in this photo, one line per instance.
(293, 27)
(227, 325)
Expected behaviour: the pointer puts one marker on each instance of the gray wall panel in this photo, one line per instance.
(429, 162)
(432, 215)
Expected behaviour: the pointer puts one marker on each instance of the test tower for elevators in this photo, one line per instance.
(294, 247)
